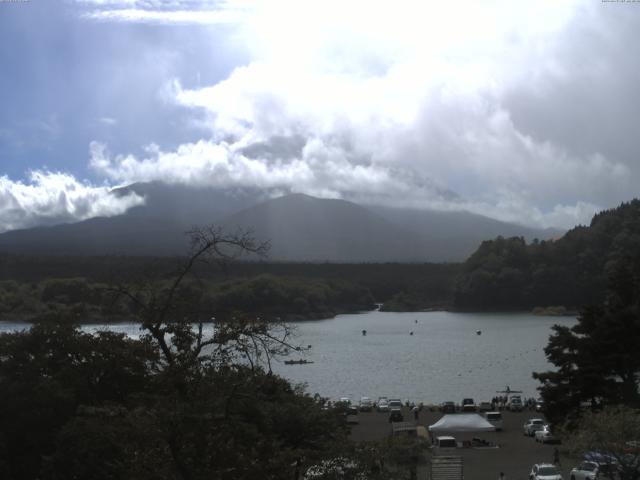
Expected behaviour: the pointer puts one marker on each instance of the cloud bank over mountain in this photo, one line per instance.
(522, 111)
(53, 198)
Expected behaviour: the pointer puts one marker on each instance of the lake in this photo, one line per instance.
(444, 359)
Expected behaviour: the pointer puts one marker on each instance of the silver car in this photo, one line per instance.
(592, 470)
(544, 471)
(532, 425)
(545, 435)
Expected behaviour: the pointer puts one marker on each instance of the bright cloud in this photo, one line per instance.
(49, 198)
(500, 108)
(180, 12)
(402, 104)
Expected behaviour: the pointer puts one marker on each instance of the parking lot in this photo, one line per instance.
(515, 455)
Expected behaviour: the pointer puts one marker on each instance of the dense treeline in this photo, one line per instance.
(507, 273)
(399, 286)
(267, 295)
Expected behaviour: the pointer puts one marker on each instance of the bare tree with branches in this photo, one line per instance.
(173, 318)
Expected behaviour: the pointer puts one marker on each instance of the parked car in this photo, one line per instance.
(603, 458)
(532, 425)
(445, 442)
(468, 405)
(383, 405)
(544, 471)
(448, 407)
(485, 407)
(495, 419)
(350, 408)
(591, 470)
(515, 404)
(352, 411)
(395, 403)
(545, 435)
(539, 405)
(366, 404)
(395, 415)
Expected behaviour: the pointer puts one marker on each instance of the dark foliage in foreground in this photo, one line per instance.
(177, 403)
(75, 405)
(597, 359)
(611, 435)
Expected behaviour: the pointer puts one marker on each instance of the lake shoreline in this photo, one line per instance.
(297, 318)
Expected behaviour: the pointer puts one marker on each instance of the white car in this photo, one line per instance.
(544, 471)
(590, 471)
(515, 404)
(545, 435)
(383, 405)
(532, 425)
(495, 419)
(366, 404)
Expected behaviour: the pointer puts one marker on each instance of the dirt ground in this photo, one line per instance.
(515, 457)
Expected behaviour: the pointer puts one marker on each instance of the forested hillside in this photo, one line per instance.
(508, 273)
(284, 297)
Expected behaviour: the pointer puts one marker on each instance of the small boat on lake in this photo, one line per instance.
(300, 361)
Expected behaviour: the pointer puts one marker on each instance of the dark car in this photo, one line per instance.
(448, 407)
(395, 415)
(468, 405)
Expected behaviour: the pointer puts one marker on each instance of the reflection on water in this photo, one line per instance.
(444, 359)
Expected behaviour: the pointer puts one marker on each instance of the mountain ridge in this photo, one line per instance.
(300, 227)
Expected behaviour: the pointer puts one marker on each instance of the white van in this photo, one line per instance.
(515, 404)
(446, 442)
(495, 419)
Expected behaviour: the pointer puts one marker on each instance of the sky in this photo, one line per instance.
(524, 111)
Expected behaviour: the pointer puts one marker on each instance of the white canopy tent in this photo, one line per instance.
(461, 423)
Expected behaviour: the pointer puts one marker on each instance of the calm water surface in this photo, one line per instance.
(444, 359)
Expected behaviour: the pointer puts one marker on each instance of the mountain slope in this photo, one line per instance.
(300, 228)
(459, 232)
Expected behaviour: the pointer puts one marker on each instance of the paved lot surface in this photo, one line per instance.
(516, 455)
